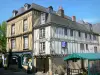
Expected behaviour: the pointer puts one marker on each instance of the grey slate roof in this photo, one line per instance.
(54, 18)
(96, 28)
(34, 6)
(64, 22)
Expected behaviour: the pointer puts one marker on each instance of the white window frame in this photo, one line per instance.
(79, 33)
(94, 37)
(87, 48)
(43, 18)
(65, 31)
(71, 32)
(42, 33)
(42, 47)
(95, 49)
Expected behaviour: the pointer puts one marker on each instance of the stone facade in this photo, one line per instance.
(19, 32)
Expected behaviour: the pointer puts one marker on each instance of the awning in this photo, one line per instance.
(89, 56)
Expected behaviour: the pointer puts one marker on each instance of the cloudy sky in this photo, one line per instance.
(87, 10)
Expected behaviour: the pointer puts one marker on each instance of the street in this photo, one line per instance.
(9, 72)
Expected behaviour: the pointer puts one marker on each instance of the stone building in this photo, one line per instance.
(48, 35)
(19, 35)
(57, 35)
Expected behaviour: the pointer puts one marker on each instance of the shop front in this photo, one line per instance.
(27, 61)
(20, 59)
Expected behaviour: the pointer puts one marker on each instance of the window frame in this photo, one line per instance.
(42, 47)
(90, 37)
(25, 26)
(13, 29)
(13, 39)
(71, 32)
(43, 18)
(81, 46)
(25, 48)
(42, 33)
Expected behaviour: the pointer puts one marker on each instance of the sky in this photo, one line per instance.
(87, 10)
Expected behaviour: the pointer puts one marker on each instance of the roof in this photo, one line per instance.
(96, 28)
(33, 6)
(69, 23)
(64, 22)
(89, 56)
(54, 18)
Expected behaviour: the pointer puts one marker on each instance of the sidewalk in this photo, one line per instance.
(9, 72)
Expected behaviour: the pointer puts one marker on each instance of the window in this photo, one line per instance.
(90, 36)
(13, 29)
(43, 16)
(25, 59)
(85, 35)
(13, 43)
(65, 31)
(25, 42)
(42, 33)
(71, 32)
(42, 47)
(25, 26)
(95, 49)
(81, 46)
(86, 46)
(94, 37)
(79, 33)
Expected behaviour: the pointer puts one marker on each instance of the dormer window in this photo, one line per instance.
(15, 13)
(43, 18)
(27, 6)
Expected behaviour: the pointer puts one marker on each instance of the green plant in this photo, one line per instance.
(5, 65)
(84, 73)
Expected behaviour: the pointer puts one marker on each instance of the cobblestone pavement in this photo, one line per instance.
(8, 72)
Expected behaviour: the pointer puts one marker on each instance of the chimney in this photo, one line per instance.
(26, 6)
(60, 12)
(15, 13)
(74, 18)
(50, 9)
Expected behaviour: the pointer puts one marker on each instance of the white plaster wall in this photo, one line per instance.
(73, 42)
(36, 42)
(46, 40)
(72, 47)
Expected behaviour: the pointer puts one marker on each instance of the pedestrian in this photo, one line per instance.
(29, 66)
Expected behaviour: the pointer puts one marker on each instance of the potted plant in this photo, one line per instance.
(5, 66)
